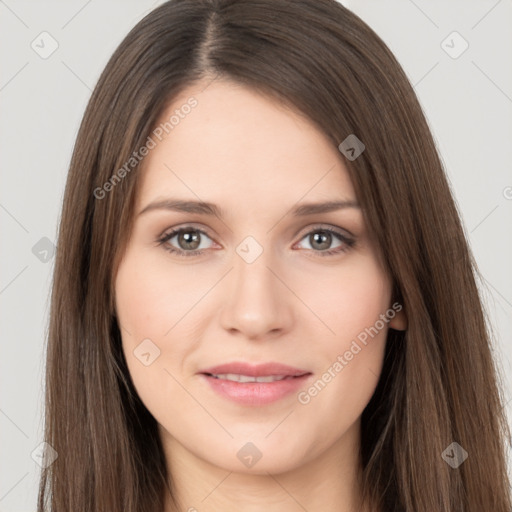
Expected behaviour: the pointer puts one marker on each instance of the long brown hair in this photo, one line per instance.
(439, 384)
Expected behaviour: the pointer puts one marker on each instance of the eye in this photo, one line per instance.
(320, 240)
(188, 241)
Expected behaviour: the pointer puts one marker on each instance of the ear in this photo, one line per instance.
(399, 321)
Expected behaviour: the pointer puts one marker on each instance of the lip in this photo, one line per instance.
(257, 370)
(255, 393)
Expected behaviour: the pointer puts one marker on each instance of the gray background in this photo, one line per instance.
(467, 99)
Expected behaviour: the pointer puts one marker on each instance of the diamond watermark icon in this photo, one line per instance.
(249, 454)
(44, 45)
(454, 455)
(351, 147)
(454, 45)
(44, 249)
(146, 352)
(249, 249)
(44, 455)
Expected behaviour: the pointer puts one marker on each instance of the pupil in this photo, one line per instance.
(189, 237)
(322, 238)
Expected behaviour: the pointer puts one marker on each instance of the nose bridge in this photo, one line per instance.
(252, 275)
(256, 303)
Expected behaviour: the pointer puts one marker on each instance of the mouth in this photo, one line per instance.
(254, 385)
(234, 377)
(243, 369)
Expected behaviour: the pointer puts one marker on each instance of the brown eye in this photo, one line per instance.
(188, 241)
(320, 241)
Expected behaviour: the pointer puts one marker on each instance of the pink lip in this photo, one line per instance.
(258, 370)
(255, 393)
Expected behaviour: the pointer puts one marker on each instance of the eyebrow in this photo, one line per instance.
(205, 208)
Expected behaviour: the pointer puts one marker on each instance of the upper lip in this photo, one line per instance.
(255, 370)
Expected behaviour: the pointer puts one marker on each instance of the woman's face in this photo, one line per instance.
(266, 280)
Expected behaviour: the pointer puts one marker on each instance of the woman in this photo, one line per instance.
(263, 296)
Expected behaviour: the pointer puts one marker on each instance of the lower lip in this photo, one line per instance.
(256, 393)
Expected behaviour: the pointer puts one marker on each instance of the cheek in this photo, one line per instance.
(160, 303)
(151, 299)
(146, 307)
(350, 302)
(348, 299)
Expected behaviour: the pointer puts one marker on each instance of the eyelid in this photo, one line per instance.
(322, 225)
(191, 226)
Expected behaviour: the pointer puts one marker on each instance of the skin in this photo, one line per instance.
(256, 160)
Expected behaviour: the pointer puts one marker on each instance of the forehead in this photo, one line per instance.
(239, 147)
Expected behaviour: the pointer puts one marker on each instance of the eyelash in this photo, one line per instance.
(348, 242)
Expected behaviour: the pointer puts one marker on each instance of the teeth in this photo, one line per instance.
(247, 378)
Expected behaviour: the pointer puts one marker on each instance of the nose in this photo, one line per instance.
(258, 304)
